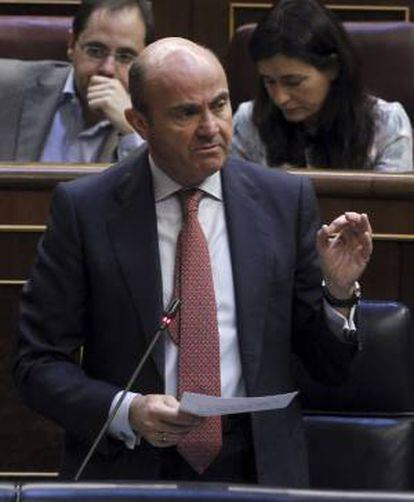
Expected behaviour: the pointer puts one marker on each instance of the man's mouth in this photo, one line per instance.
(208, 148)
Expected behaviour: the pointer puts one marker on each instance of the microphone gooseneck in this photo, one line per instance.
(166, 319)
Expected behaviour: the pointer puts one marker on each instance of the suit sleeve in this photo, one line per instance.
(321, 351)
(13, 82)
(53, 328)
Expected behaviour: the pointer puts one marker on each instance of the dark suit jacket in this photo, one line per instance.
(97, 283)
(29, 97)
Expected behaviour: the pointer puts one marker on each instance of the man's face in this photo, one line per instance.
(106, 46)
(188, 124)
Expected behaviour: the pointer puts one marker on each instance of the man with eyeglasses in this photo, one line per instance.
(59, 112)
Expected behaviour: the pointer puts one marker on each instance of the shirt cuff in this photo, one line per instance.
(340, 325)
(120, 427)
(127, 143)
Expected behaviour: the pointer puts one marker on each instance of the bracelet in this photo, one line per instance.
(342, 302)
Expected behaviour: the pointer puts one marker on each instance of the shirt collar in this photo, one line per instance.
(164, 186)
(69, 87)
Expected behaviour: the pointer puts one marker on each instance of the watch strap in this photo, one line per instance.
(342, 302)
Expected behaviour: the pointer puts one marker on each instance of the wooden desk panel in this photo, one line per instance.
(20, 206)
(17, 249)
(388, 199)
(29, 443)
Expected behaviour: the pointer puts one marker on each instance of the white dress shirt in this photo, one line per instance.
(213, 222)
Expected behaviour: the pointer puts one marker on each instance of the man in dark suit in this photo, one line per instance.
(105, 269)
(54, 111)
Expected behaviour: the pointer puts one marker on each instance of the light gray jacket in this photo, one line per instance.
(29, 96)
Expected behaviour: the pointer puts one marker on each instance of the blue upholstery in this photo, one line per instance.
(361, 435)
(382, 376)
(191, 492)
(8, 492)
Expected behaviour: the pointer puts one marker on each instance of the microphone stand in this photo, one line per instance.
(166, 320)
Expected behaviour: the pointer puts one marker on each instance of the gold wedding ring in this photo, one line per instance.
(162, 436)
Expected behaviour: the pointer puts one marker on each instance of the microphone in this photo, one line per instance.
(166, 319)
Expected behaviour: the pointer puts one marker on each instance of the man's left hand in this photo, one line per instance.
(344, 246)
(108, 96)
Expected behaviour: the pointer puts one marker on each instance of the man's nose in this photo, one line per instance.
(208, 125)
(107, 66)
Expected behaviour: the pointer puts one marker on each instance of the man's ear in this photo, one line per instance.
(138, 121)
(71, 46)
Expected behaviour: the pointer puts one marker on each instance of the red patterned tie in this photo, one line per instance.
(195, 331)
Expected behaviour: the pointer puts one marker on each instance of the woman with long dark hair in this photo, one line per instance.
(311, 108)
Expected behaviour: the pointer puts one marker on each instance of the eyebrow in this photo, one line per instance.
(194, 106)
(283, 77)
(288, 74)
(119, 49)
(127, 49)
(219, 97)
(185, 107)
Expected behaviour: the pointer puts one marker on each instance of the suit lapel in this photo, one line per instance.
(108, 149)
(39, 106)
(133, 231)
(248, 226)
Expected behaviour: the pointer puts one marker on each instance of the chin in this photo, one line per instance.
(211, 167)
(296, 118)
(211, 163)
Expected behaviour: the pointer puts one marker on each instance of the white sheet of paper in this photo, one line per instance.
(206, 406)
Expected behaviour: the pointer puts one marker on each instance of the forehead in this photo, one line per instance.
(186, 80)
(122, 27)
(284, 65)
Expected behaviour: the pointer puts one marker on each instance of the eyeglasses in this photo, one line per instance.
(100, 53)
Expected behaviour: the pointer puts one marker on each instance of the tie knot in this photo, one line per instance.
(189, 200)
